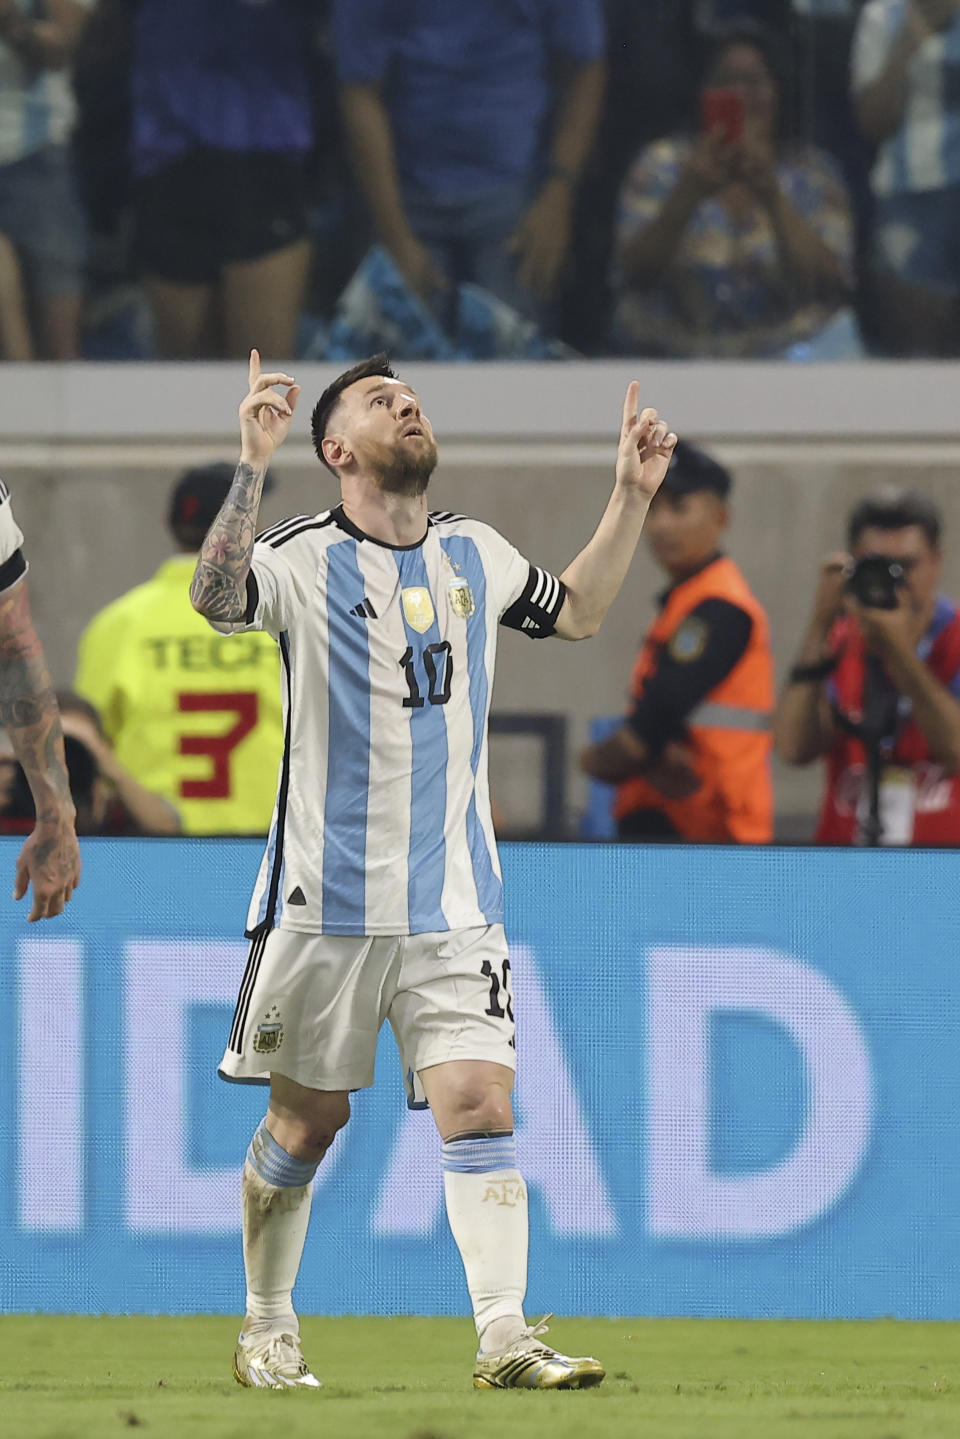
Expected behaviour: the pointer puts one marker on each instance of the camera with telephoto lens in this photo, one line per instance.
(876, 580)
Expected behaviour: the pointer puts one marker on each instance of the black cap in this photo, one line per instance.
(691, 470)
(196, 498)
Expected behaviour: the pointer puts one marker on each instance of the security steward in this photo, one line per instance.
(691, 760)
(195, 717)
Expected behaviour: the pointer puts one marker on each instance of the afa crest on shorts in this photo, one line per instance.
(418, 608)
(269, 1035)
(461, 599)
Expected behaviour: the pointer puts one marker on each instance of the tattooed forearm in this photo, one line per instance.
(28, 707)
(218, 589)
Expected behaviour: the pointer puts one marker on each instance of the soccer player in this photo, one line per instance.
(50, 859)
(379, 896)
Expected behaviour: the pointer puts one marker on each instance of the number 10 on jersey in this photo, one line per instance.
(436, 665)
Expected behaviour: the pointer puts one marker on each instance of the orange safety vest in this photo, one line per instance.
(729, 732)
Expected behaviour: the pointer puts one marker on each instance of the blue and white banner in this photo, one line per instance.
(738, 1092)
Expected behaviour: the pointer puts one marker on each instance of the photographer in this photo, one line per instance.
(876, 685)
(108, 799)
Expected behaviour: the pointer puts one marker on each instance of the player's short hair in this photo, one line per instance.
(895, 509)
(328, 401)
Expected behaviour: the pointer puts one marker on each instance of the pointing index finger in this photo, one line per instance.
(254, 367)
(630, 406)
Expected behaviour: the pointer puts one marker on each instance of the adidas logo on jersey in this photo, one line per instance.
(365, 610)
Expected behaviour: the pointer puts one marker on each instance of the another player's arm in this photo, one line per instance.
(219, 586)
(594, 578)
(50, 859)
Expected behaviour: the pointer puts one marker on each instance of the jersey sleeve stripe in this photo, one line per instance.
(4, 492)
(253, 598)
(12, 570)
(280, 526)
(293, 534)
(535, 612)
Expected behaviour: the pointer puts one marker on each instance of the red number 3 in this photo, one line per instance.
(219, 747)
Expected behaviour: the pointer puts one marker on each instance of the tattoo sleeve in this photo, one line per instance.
(28, 707)
(218, 589)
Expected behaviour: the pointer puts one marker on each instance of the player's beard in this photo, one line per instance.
(407, 472)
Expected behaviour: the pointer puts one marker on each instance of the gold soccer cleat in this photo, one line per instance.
(528, 1364)
(272, 1362)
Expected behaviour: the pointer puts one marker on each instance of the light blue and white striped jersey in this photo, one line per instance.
(924, 152)
(12, 563)
(36, 105)
(382, 823)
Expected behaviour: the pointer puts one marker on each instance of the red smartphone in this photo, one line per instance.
(722, 113)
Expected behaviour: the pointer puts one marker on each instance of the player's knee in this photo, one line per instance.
(321, 1127)
(477, 1105)
(307, 1131)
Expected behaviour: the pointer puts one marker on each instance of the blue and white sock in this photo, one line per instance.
(487, 1209)
(277, 1192)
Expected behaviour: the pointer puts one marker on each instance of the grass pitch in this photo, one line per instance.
(65, 1377)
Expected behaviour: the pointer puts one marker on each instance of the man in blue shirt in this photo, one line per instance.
(469, 126)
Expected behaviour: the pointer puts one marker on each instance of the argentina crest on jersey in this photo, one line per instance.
(461, 598)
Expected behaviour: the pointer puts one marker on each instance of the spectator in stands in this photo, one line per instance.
(42, 231)
(195, 717)
(108, 800)
(691, 760)
(735, 241)
(906, 58)
(16, 342)
(221, 131)
(467, 153)
(878, 675)
(625, 127)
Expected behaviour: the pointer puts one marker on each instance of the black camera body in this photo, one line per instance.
(876, 581)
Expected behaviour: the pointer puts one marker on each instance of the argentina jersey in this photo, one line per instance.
(923, 151)
(13, 566)
(382, 822)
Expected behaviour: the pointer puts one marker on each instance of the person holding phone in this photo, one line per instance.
(734, 241)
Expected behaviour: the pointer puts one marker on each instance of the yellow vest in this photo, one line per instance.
(194, 716)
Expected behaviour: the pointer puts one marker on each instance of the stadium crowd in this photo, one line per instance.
(752, 178)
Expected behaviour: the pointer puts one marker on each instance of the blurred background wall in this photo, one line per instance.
(91, 453)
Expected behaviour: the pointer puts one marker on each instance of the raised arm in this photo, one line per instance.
(594, 578)
(880, 103)
(219, 586)
(50, 859)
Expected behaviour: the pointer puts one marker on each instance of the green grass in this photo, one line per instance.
(65, 1377)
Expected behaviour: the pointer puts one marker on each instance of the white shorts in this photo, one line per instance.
(311, 1006)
